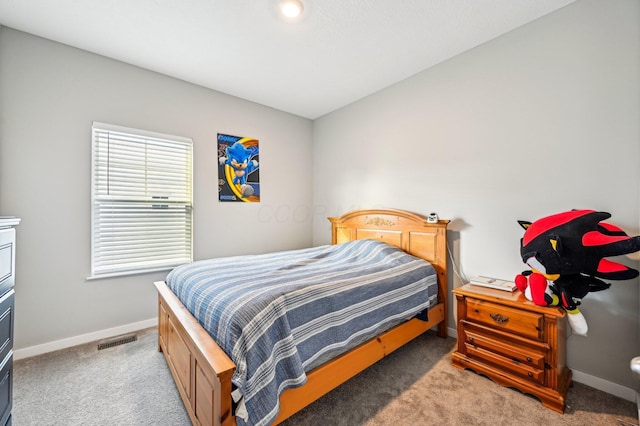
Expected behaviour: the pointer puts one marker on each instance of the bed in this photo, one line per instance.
(204, 373)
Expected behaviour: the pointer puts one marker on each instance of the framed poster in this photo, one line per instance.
(238, 169)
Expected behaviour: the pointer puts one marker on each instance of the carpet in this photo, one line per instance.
(131, 385)
(123, 385)
(418, 385)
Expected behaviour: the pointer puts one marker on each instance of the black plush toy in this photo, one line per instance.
(566, 253)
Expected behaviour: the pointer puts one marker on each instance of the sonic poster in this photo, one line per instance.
(238, 169)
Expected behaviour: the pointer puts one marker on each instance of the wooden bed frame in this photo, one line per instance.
(203, 372)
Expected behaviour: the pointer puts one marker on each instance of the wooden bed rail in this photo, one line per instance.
(327, 377)
(203, 373)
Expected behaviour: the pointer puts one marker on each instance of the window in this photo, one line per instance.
(141, 201)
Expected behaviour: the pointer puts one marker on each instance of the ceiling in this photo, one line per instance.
(339, 51)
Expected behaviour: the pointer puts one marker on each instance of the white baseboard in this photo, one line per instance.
(605, 385)
(589, 380)
(82, 339)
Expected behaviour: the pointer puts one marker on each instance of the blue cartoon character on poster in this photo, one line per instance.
(238, 169)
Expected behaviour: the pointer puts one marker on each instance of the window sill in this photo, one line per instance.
(128, 273)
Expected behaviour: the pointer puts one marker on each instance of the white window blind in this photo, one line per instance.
(141, 201)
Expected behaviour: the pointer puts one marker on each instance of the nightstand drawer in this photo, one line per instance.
(529, 324)
(506, 364)
(517, 353)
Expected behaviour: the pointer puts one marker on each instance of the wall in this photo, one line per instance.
(541, 120)
(51, 93)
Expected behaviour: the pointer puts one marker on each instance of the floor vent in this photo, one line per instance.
(116, 341)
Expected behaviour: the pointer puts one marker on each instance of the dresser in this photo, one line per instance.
(512, 341)
(7, 281)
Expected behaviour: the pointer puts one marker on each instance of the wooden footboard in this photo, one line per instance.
(203, 372)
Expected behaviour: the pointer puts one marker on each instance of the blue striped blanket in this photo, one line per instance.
(278, 315)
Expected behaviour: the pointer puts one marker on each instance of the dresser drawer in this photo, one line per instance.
(6, 389)
(6, 323)
(529, 324)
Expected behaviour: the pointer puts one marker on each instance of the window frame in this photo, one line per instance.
(181, 207)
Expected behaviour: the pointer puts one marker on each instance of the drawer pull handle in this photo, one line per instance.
(529, 359)
(499, 319)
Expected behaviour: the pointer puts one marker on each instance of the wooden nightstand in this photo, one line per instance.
(514, 342)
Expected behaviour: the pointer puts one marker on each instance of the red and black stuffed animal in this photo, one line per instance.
(566, 253)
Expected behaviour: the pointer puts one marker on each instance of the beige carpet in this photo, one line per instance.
(417, 385)
(130, 385)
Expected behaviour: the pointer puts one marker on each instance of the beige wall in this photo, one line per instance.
(541, 120)
(51, 93)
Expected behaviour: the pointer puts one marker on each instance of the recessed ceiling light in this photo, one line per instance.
(291, 8)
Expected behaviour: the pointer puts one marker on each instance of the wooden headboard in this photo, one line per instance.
(409, 231)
